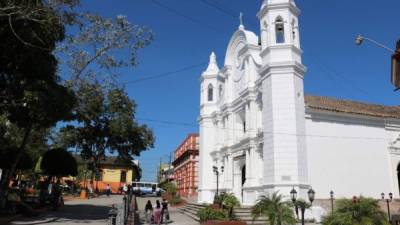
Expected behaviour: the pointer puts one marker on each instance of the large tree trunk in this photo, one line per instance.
(6, 181)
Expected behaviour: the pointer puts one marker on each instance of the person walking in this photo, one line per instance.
(164, 211)
(157, 213)
(108, 190)
(148, 209)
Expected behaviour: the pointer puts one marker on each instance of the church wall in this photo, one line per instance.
(341, 162)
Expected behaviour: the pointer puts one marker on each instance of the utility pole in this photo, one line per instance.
(170, 161)
(159, 171)
(396, 67)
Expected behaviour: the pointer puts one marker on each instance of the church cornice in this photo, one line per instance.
(270, 48)
(277, 6)
(281, 68)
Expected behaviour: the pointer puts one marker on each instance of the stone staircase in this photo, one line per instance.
(191, 210)
(242, 214)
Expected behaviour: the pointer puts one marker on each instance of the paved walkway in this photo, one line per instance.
(176, 217)
(77, 212)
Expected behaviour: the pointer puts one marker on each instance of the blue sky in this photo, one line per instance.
(336, 67)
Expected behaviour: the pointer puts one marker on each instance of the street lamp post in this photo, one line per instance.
(388, 200)
(360, 39)
(216, 171)
(395, 74)
(311, 197)
(332, 195)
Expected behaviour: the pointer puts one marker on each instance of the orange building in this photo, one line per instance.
(186, 166)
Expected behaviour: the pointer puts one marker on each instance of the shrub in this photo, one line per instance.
(209, 213)
(175, 200)
(169, 187)
(362, 211)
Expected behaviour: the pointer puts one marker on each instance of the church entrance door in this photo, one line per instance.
(398, 176)
(239, 177)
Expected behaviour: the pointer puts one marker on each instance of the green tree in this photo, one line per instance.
(363, 211)
(59, 163)
(31, 97)
(105, 124)
(275, 209)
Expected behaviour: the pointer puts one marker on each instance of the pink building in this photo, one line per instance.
(186, 166)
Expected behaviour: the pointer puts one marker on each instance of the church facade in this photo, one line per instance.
(263, 134)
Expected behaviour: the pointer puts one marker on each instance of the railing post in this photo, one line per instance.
(112, 216)
(125, 209)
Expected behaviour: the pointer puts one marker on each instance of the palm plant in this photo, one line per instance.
(229, 201)
(275, 209)
(364, 211)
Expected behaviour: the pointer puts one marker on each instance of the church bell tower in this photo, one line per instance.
(208, 105)
(282, 72)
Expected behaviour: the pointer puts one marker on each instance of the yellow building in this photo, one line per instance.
(116, 172)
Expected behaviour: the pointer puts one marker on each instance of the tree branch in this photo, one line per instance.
(21, 40)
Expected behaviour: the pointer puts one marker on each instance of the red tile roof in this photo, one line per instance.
(351, 107)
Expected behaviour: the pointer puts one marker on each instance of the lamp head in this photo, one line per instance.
(311, 195)
(359, 40)
(293, 195)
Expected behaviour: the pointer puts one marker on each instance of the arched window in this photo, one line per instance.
(280, 30)
(210, 93)
(220, 91)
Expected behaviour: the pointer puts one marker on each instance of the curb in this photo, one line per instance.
(34, 222)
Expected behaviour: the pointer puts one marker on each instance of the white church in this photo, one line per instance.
(265, 135)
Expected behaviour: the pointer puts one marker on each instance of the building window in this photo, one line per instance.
(280, 30)
(210, 93)
(123, 176)
(220, 91)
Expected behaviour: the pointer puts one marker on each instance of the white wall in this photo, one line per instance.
(348, 166)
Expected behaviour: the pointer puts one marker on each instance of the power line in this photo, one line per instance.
(166, 74)
(273, 133)
(176, 12)
(332, 72)
(220, 8)
(224, 9)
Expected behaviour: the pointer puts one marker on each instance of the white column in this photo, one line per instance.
(248, 168)
(230, 172)
(252, 118)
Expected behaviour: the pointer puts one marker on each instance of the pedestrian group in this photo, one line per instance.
(158, 214)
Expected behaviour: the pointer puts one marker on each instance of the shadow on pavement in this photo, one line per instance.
(79, 213)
